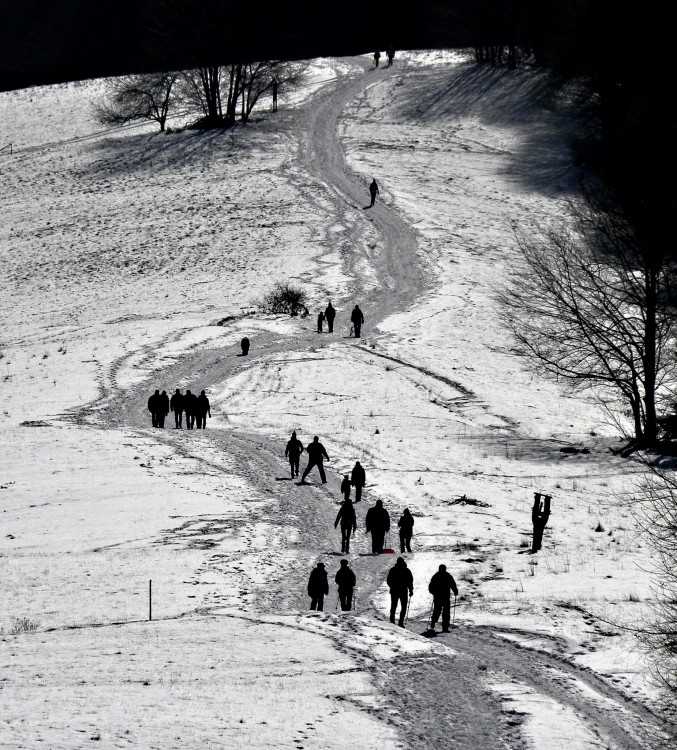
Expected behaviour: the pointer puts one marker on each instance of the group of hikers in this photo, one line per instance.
(329, 315)
(196, 409)
(400, 582)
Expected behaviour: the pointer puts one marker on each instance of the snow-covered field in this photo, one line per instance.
(133, 261)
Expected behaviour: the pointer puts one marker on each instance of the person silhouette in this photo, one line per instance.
(176, 405)
(348, 520)
(244, 344)
(293, 452)
(329, 315)
(274, 85)
(358, 479)
(400, 582)
(345, 580)
(316, 453)
(154, 407)
(320, 320)
(377, 522)
(377, 57)
(318, 586)
(406, 525)
(373, 192)
(202, 409)
(441, 585)
(357, 319)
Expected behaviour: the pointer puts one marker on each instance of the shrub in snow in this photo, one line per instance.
(286, 298)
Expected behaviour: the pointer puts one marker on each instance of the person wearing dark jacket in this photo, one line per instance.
(190, 408)
(357, 319)
(320, 320)
(345, 487)
(358, 479)
(164, 408)
(345, 580)
(441, 585)
(329, 315)
(154, 407)
(373, 191)
(318, 586)
(244, 345)
(176, 405)
(316, 453)
(377, 521)
(401, 584)
(406, 525)
(346, 516)
(202, 409)
(293, 452)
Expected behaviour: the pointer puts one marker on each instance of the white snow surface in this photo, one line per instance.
(133, 260)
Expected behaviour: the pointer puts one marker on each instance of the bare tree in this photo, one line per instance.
(200, 90)
(594, 307)
(145, 96)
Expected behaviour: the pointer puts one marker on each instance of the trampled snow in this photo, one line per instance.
(133, 261)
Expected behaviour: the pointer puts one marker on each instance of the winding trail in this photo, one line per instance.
(439, 698)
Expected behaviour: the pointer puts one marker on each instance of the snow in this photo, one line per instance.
(134, 261)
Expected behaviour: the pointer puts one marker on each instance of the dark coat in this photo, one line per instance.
(442, 584)
(294, 448)
(202, 405)
(377, 519)
(316, 451)
(318, 583)
(356, 316)
(400, 579)
(329, 312)
(406, 523)
(190, 403)
(345, 578)
(164, 402)
(176, 403)
(346, 516)
(358, 477)
(154, 403)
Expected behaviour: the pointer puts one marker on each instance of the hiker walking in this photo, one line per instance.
(176, 405)
(406, 525)
(441, 585)
(293, 452)
(390, 53)
(189, 407)
(274, 84)
(244, 344)
(329, 315)
(164, 408)
(320, 320)
(348, 520)
(377, 57)
(345, 487)
(318, 586)
(401, 584)
(377, 522)
(154, 407)
(316, 454)
(345, 580)
(202, 409)
(357, 319)
(373, 191)
(358, 480)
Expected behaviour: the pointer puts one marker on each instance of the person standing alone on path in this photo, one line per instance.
(329, 315)
(293, 452)
(357, 319)
(176, 405)
(318, 586)
(358, 480)
(401, 584)
(377, 521)
(345, 580)
(406, 524)
(316, 453)
(373, 191)
(348, 520)
(441, 585)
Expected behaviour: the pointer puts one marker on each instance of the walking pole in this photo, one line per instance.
(453, 620)
(337, 601)
(406, 616)
(430, 616)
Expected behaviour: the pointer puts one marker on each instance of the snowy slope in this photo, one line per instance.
(121, 252)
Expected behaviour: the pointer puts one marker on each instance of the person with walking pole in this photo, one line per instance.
(441, 585)
(401, 584)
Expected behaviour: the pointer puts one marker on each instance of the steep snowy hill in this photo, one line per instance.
(133, 261)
